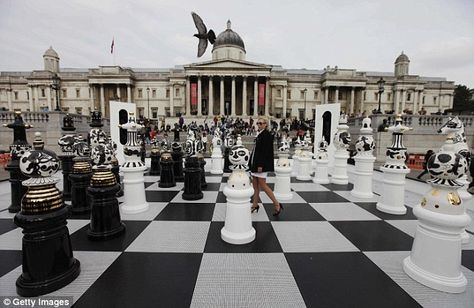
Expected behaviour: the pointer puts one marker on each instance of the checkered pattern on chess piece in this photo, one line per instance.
(322, 161)
(342, 140)
(48, 261)
(66, 143)
(133, 168)
(80, 177)
(238, 227)
(282, 189)
(364, 161)
(394, 172)
(19, 146)
(435, 259)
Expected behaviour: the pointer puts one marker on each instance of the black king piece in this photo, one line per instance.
(17, 149)
(48, 261)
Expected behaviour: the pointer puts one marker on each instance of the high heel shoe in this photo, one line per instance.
(255, 209)
(276, 213)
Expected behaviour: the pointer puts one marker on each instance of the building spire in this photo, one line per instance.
(228, 24)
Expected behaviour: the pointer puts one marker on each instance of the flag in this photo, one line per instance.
(112, 45)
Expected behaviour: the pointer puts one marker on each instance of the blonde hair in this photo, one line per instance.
(264, 118)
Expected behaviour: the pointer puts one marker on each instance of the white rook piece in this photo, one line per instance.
(238, 222)
(216, 157)
(133, 168)
(321, 170)
(364, 161)
(283, 172)
(435, 258)
(394, 172)
(342, 140)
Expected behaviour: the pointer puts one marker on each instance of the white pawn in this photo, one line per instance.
(342, 139)
(238, 227)
(282, 189)
(322, 161)
(216, 156)
(435, 258)
(364, 161)
(305, 161)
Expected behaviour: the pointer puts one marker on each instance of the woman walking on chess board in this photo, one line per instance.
(261, 162)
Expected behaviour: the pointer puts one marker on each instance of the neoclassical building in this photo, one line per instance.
(227, 84)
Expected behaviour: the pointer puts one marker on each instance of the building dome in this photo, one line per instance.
(51, 53)
(402, 58)
(229, 38)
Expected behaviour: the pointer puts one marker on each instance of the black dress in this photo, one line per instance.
(262, 154)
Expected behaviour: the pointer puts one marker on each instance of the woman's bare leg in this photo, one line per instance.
(256, 191)
(262, 183)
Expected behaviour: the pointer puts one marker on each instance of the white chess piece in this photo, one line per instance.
(364, 161)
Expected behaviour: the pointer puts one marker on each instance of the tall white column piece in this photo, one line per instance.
(295, 168)
(435, 258)
(282, 189)
(321, 170)
(364, 161)
(133, 168)
(394, 172)
(216, 156)
(342, 138)
(305, 163)
(238, 228)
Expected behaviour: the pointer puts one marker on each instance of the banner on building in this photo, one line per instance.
(261, 94)
(194, 96)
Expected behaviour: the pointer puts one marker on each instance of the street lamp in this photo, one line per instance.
(381, 84)
(304, 112)
(56, 86)
(148, 100)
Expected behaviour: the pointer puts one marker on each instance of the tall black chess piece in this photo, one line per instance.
(228, 143)
(155, 155)
(202, 163)
(203, 35)
(80, 177)
(48, 261)
(177, 154)
(192, 170)
(17, 149)
(167, 171)
(66, 143)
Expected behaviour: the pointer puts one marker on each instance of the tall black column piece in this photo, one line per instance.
(167, 172)
(155, 156)
(202, 163)
(226, 160)
(48, 261)
(116, 171)
(177, 155)
(80, 177)
(66, 143)
(192, 179)
(17, 149)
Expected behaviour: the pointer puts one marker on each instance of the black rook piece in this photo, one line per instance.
(192, 179)
(17, 149)
(48, 261)
(167, 173)
(177, 155)
(155, 156)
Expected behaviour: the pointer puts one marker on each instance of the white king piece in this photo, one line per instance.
(394, 172)
(364, 161)
(342, 140)
(435, 258)
(133, 168)
(238, 222)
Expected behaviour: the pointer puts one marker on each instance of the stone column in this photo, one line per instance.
(91, 98)
(244, 96)
(211, 96)
(30, 100)
(451, 97)
(233, 97)
(326, 95)
(362, 100)
(351, 109)
(36, 105)
(415, 101)
(188, 97)
(221, 97)
(102, 100)
(285, 97)
(171, 100)
(267, 91)
(129, 94)
(440, 102)
(404, 97)
(9, 98)
(336, 99)
(199, 105)
(48, 97)
(255, 97)
(395, 103)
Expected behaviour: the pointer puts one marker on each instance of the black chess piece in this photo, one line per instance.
(48, 261)
(116, 171)
(226, 160)
(17, 149)
(155, 155)
(105, 215)
(177, 155)
(167, 171)
(192, 179)
(66, 143)
(202, 163)
(80, 177)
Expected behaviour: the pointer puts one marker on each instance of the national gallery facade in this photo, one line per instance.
(228, 84)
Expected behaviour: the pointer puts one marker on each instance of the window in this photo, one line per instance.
(316, 95)
(64, 94)
(423, 101)
(15, 93)
(42, 93)
(153, 93)
(79, 110)
(365, 95)
(140, 112)
(78, 93)
(434, 100)
(65, 109)
(167, 93)
(409, 96)
(288, 94)
(389, 96)
(154, 113)
(27, 95)
(89, 93)
(176, 94)
(279, 93)
(341, 95)
(302, 94)
(376, 96)
(140, 93)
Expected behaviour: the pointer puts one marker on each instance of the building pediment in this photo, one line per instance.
(227, 64)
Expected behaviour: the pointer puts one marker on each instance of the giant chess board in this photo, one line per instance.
(326, 249)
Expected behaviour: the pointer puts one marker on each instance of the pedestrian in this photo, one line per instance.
(425, 164)
(261, 162)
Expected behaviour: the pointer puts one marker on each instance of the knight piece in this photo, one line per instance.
(435, 258)
(282, 189)
(322, 161)
(394, 172)
(238, 228)
(17, 149)
(133, 168)
(364, 161)
(48, 261)
(66, 143)
(342, 140)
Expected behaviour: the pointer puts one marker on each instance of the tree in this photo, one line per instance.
(463, 100)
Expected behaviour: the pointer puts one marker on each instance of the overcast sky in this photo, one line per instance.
(437, 35)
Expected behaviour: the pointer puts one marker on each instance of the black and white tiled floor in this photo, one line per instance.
(327, 249)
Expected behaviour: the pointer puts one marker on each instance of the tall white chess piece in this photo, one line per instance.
(342, 140)
(364, 161)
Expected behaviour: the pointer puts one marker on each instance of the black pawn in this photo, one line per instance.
(167, 172)
(226, 160)
(178, 165)
(105, 215)
(192, 179)
(80, 180)
(202, 163)
(155, 167)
